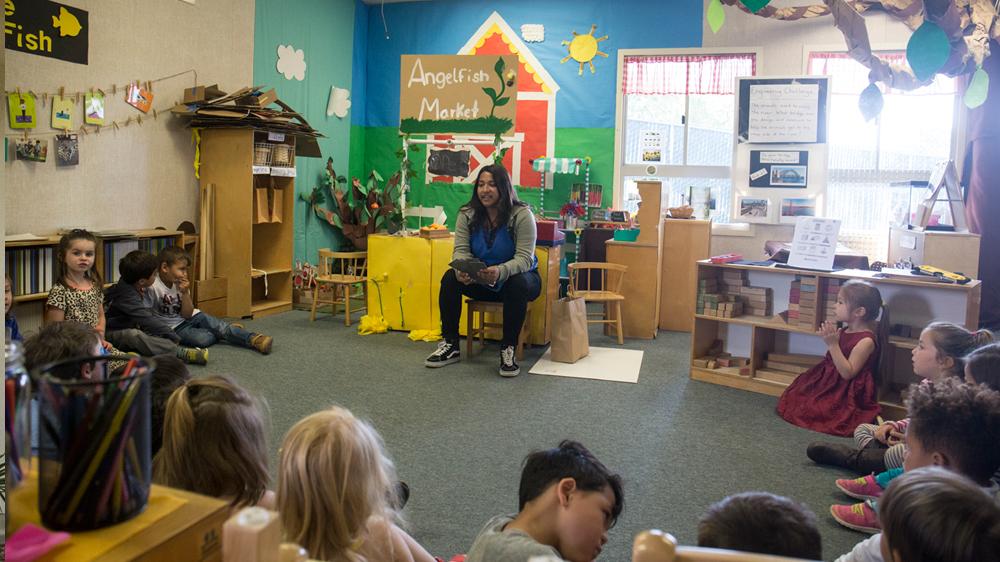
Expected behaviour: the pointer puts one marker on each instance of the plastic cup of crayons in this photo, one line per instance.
(94, 465)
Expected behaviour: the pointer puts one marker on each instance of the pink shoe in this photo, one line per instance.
(860, 517)
(864, 488)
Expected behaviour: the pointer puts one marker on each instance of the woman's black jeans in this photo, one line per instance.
(515, 294)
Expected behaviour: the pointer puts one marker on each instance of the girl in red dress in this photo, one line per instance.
(841, 392)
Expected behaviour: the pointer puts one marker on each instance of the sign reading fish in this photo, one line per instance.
(49, 29)
(457, 93)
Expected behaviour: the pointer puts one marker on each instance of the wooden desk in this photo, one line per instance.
(684, 243)
(641, 308)
(176, 526)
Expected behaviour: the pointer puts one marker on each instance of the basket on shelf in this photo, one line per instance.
(261, 154)
(683, 212)
(281, 155)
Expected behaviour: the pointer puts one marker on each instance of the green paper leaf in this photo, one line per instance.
(498, 67)
(870, 102)
(502, 101)
(716, 16)
(491, 93)
(927, 51)
(978, 89)
(755, 5)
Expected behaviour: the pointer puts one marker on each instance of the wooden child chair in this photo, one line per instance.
(342, 270)
(474, 328)
(656, 546)
(610, 295)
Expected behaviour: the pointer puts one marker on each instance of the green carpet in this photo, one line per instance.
(458, 434)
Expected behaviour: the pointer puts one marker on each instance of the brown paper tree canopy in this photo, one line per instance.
(969, 25)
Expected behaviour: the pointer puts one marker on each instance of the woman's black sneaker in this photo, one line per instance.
(446, 354)
(508, 367)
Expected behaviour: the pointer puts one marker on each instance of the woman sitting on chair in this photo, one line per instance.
(497, 229)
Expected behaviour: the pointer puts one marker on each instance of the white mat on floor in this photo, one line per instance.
(603, 363)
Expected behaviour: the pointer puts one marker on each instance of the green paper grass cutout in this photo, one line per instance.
(755, 5)
(979, 88)
(716, 16)
(870, 102)
(927, 51)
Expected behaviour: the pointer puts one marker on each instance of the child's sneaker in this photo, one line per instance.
(446, 354)
(194, 355)
(261, 343)
(864, 488)
(860, 517)
(508, 367)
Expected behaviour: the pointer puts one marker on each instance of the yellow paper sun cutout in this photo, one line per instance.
(583, 49)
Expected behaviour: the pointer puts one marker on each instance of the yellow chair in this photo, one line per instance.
(474, 328)
(611, 275)
(656, 546)
(342, 270)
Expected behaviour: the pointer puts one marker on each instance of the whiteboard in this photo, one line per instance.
(782, 110)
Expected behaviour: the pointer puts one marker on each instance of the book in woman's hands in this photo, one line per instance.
(471, 266)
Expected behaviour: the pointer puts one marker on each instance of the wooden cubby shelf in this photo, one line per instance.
(912, 303)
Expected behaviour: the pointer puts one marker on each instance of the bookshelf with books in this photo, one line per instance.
(755, 327)
(113, 247)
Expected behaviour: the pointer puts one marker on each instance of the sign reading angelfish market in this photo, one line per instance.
(457, 94)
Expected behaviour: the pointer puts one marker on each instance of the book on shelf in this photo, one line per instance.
(31, 270)
(114, 251)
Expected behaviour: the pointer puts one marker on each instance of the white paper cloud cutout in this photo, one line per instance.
(292, 62)
(533, 32)
(338, 104)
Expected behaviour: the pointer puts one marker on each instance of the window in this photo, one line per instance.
(677, 125)
(913, 133)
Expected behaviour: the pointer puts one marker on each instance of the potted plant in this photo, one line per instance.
(367, 208)
(571, 213)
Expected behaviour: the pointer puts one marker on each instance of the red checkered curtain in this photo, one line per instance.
(685, 74)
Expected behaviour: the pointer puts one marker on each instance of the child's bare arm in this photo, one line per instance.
(53, 314)
(407, 549)
(187, 306)
(849, 367)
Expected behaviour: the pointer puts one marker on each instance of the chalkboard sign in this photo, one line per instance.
(782, 110)
(448, 163)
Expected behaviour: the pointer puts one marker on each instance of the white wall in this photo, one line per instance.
(139, 176)
(783, 48)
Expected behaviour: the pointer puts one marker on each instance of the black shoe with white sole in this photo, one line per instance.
(508, 367)
(446, 354)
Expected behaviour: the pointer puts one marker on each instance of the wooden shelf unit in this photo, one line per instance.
(914, 303)
(100, 259)
(246, 249)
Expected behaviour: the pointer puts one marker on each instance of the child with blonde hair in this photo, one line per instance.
(335, 492)
(841, 391)
(940, 352)
(214, 443)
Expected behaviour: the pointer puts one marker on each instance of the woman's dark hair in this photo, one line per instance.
(64, 244)
(569, 460)
(505, 191)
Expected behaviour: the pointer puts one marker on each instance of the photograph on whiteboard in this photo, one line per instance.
(792, 208)
(792, 176)
(754, 209)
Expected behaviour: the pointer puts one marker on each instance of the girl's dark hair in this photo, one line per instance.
(763, 523)
(569, 460)
(931, 514)
(506, 195)
(862, 294)
(983, 364)
(170, 374)
(64, 243)
(952, 340)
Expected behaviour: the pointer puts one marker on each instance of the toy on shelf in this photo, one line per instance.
(725, 258)
(562, 166)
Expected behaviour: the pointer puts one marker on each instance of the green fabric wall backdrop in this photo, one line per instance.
(324, 30)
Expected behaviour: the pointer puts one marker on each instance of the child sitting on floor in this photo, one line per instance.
(840, 392)
(763, 523)
(336, 492)
(567, 501)
(933, 514)
(131, 324)
(952, 425)
(170, 374)
(214, 443)
(170, 298)
(939, 353)
(10, 321)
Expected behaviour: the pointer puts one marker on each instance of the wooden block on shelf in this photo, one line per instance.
(809, 280)
(784, 367)
(756, 291)
(775, 376)
(701, 362)
(734, 362)
(795, 358)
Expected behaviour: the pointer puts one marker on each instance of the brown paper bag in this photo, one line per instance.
(261, 211)
(570, 340)
(276, 204)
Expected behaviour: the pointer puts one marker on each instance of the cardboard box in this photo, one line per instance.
(202, 93)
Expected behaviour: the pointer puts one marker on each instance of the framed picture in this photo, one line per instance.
(788, 176)
(779, 168)
(754, 209)
(598, 215)
(794, 207)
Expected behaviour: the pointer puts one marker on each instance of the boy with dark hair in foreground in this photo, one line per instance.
(763, 523)
(567, 502)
